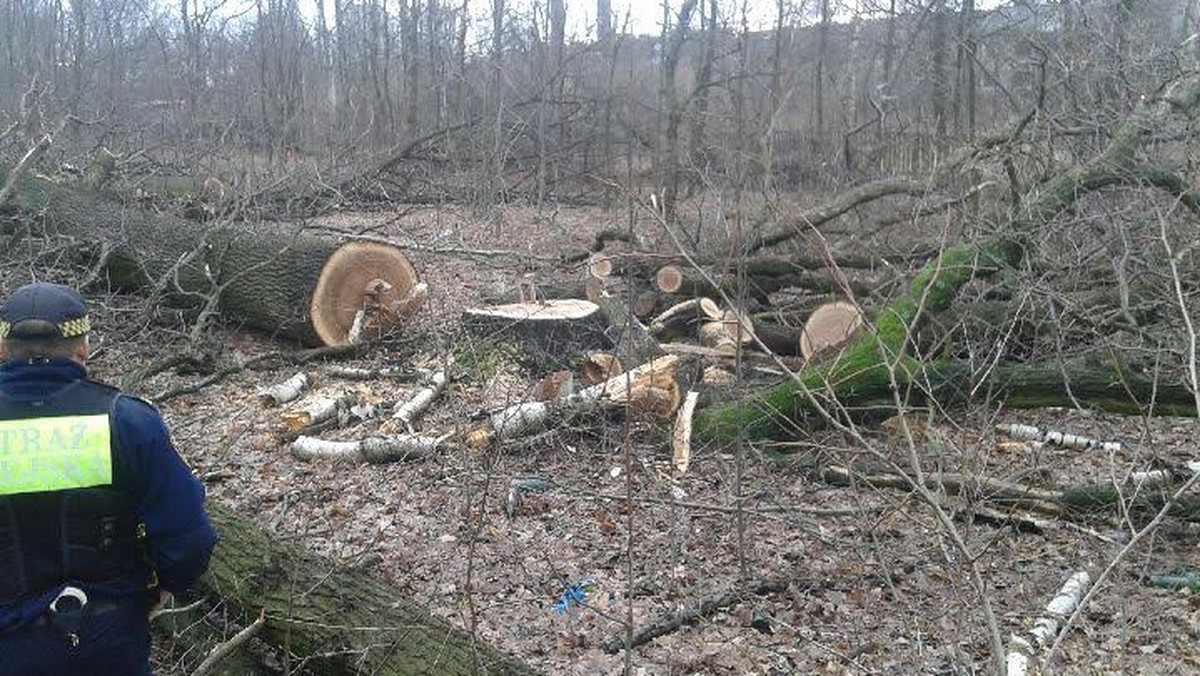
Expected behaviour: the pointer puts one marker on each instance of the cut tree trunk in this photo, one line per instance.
(878, 360)
(291, 285)
(336, 619)
(829, 327)
(780, 339)
(559, 328)
(676, 279)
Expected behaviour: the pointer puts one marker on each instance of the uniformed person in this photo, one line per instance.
(99, 516)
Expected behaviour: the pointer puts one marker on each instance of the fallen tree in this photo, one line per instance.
(879, 361)
(288, 284)
(340, 621)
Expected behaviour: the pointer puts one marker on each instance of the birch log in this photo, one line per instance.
(1064, 439)
(532, 416)
(417, 404)
(1022, 651)
(375, 450)
(318, 411)
(282, 393)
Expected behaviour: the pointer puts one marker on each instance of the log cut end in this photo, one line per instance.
(829, 326)
(669, 279)
(363, 276)
(558, 328)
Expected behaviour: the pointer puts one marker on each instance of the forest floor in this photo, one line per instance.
(880, 588)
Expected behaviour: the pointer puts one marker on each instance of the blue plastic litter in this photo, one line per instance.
(576, 594)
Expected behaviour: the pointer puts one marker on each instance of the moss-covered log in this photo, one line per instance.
(287, 284)
(859, 373)
(340, 621)
(866, 369)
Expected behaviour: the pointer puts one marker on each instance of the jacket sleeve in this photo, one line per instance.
(168, 498)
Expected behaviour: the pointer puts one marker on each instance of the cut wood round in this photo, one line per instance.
(655, 402)
(559, 328)
(600, 265)
(669, 279)
(829, 326)
(362, 275)
(599, 367)
(644, 304)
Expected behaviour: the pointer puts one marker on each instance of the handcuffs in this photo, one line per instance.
(67, 620)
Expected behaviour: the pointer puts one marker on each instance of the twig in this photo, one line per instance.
(707, 607)
(223, 650)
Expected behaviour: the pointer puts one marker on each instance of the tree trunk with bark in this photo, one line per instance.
(340, 621)
(291, 285)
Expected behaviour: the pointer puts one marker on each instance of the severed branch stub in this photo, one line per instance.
(287, 391)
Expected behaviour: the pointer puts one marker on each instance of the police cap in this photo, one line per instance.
(43, 310)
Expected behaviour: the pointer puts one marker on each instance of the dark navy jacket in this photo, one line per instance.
(166, 496)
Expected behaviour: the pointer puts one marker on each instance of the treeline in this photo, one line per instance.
(834, 91)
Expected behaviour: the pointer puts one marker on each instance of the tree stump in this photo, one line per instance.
(557, 328)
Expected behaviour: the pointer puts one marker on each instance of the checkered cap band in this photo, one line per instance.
(72, 328)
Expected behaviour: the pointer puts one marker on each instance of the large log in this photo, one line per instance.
(288, 284)
(878, 360)
(339, 620)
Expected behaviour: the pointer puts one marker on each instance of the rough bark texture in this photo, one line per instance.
(346, 621)
(268, 277)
